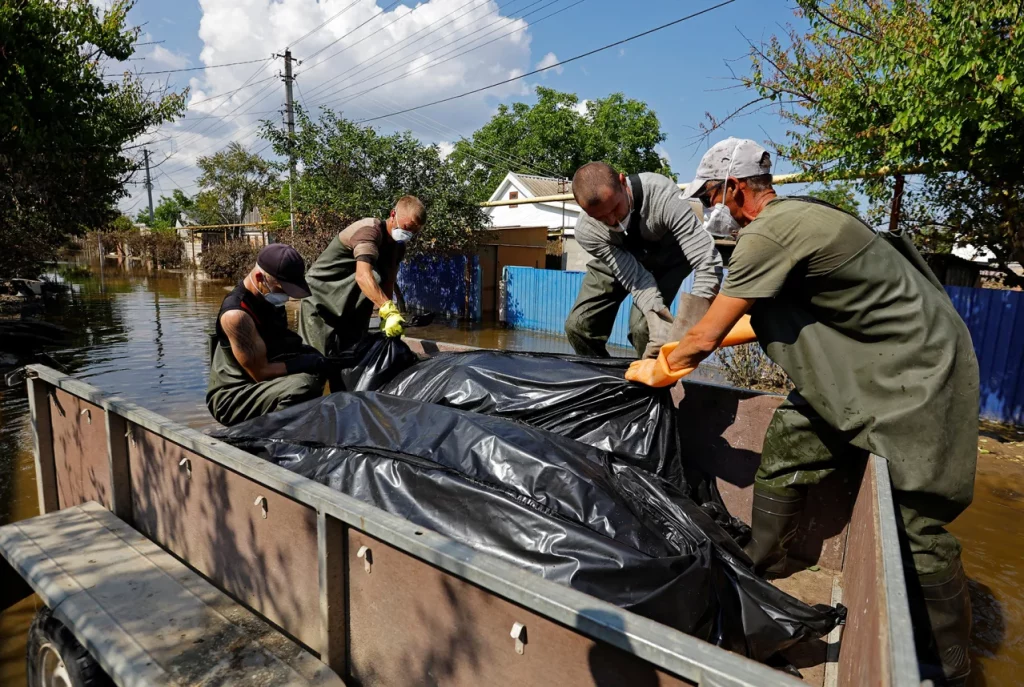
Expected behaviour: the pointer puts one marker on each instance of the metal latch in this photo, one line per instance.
(519, 634)
(187, 464)
(367, 556)
(261, 501)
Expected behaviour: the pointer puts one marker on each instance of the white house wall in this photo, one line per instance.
(532, 215)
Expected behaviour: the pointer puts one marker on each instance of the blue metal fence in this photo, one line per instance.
(439, 284)
(540, 300)
(996, 321)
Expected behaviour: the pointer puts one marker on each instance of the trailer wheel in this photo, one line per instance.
(56, 659)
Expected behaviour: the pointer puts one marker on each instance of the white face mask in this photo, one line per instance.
(623, 223)
(720, 221)
(402, 235)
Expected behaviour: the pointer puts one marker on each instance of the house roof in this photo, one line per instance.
(544, 186)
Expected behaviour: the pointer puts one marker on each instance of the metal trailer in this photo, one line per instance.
(373, 597)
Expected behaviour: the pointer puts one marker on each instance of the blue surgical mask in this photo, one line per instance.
(402, 235)
(276, 298)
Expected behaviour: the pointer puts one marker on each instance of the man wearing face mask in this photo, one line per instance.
(881, 362)
(356, 272)
(258, 365)
(645, 240)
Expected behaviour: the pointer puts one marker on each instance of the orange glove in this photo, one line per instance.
(741, 333)
(656, 372)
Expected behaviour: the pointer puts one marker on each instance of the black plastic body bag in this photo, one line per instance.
(562, 509)
(586, 399)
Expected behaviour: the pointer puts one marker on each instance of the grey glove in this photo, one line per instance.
(658, 332)
(691, 310)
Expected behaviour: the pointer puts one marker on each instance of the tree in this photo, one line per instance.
(65, 124)
(557, 135)
(167, 211)
(842, 194)
(236, 181)
(929, 85)
(350, 171)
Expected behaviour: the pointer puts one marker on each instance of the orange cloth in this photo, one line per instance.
(741, 333)
(655, 372)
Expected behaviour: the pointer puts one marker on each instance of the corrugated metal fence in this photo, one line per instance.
(996, 321)
(540, 300)
(440, 284)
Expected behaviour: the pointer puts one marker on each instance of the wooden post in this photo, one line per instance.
(42, 435)
(332, 559)
(117, 459)
(897, 202)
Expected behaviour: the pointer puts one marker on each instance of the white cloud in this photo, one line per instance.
(549, 60)
(581, 107)
(357, 76)
(446, 148)
(622, 52)
(160, 56)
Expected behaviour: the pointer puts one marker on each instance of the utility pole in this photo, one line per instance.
(289, 120)
(149, 186)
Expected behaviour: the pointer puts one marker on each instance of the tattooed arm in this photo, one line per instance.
(248, 347)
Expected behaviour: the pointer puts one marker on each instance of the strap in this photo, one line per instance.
(633, 240)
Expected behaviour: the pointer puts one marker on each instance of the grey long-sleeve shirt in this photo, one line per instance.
(663, 211)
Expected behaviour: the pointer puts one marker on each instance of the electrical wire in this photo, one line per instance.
(193, 69)
(557, 64)
(437, 61)
(324, 23)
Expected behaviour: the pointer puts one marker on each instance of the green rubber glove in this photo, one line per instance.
(393, 325)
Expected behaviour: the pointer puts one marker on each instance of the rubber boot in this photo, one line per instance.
(773, 524)
(948, 603)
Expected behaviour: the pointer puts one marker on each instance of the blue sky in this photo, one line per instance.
(678, 71)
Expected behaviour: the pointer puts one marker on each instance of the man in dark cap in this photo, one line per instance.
(257, 365)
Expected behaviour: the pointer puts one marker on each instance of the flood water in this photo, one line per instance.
(142, 335)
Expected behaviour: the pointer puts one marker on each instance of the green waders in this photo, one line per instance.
(898, 378)
(592, 317)
(337, 314)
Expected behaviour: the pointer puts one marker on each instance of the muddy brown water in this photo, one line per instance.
(143, 336)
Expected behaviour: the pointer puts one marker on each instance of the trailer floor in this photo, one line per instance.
(813, 587)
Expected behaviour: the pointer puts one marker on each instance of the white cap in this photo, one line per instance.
(735, 157)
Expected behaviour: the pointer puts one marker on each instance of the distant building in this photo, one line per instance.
(558, 216)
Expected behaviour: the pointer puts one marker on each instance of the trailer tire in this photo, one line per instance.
(56, 659)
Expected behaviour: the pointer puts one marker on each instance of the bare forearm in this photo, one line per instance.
(704, 337)
(370, 288)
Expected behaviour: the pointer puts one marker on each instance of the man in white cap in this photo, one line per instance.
(881, 362)
(645, 240)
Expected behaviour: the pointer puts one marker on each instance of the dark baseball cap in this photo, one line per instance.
(283, 263)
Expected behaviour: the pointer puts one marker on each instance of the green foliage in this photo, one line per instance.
(351, 171)
(748, 367)
(231, 260)
(936, 85)
(64, 129)
(554, 139)
(167, 211)
(234, 181)
(163, 247)
(842, 194)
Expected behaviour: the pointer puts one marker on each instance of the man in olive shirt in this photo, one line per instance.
(356, 272)
(881, 362)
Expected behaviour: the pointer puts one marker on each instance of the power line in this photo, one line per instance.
(438, 61)
(557, 64)
(385, 55)
(383, 11)
(324, 23)
(209, 66)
